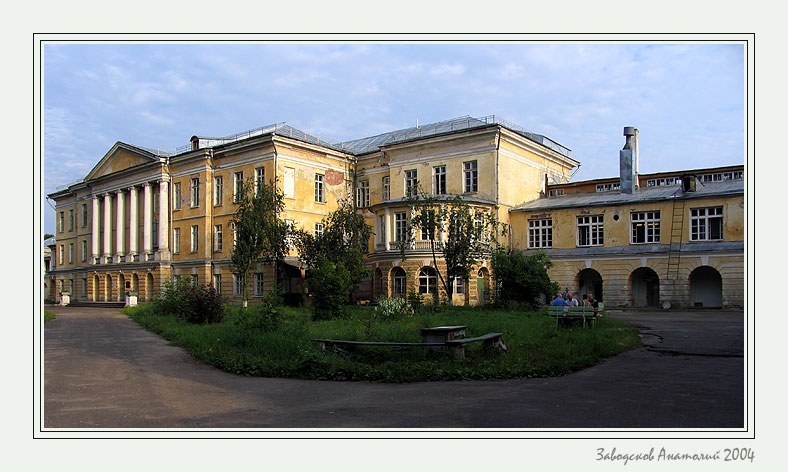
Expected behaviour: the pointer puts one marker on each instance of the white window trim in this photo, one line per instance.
(218, 186)
(538, 232)
(217, 238)
(320, 188)
(362, 194)
(470, 176)
(645, 218)
(411, 182)
(176, 240)
(259, 284)
(705, 219)
(176, 196)
(438, 180)
(386, 188)
(592, 221)
(194, 238)
(195, 192)
(238, 186)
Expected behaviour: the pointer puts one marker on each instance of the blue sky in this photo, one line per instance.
(687, 100)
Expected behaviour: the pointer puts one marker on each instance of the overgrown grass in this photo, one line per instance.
(49, 316)
(535, 347)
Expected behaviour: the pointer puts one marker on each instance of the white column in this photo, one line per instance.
(107, 250)
(95, 230)
(147, 208)
(120, 224)
(387, 233)
(164, 215)
(443, 228)
(132, 222)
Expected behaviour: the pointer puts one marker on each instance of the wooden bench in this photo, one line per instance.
(490, 340)
(585, 313)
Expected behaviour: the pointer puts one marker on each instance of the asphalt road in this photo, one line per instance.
(101, 370)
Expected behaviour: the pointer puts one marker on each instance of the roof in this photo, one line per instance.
(709, 189)
(49, 242)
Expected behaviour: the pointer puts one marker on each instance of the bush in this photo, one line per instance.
(389, 309)
(522, 279)
(263, 317)
(329, 284)
(192, 303)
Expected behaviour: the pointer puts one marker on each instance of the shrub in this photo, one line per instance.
(329, 284)
(172, 297)
(263, 317)
(393, 309)
(521, 278)
(191, 303)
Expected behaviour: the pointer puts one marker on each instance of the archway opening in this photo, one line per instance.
(705, 287)
(645, 287)
(95, 291)
(108, 288)
(399, 282)
(589, 281)
(149, 287)
(121, 288)
(483, 285)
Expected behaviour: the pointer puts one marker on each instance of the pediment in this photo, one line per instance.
(122, 156)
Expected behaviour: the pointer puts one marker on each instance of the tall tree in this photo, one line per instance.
(470, 234)
(260, 234)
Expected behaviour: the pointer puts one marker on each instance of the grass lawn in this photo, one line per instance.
(535, 347)
(49, 316)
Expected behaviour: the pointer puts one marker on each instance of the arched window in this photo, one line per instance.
(428, 280)
(398, 282)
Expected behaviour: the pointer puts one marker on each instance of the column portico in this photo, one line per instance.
(107, 250)
(147, 208)
(164, 218)
(133, 223)
(387, 230)
(119, 226)
(94, 241)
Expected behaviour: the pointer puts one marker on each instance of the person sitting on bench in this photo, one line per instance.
(559, 301)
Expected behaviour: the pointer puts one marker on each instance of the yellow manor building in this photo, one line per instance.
(142, 217)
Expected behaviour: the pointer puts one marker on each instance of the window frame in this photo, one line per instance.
(385, 184)
(195, 238)
(71, 219)
(217, 283)
(217, 238)
(176, 196)
(695, 222)
(362, 194)
(470, 176)
(176, 240)
(320, 190)
(400, 227)
(84, 215)
(425, 231)
(259, 284)
(259, 178)
(195, 192)
(540, 233)
(84, 250)
(411, 182)
(596, 230)
(650, 235)
(439, 180)
(318, 229)
(400, 280)
(70, 253)
(218, 190)
(424, 279)
(238, 186)
(459, 286)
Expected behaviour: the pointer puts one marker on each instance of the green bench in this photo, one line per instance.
(585, 313)
(457, 346)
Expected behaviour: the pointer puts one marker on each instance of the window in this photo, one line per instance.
(662, 182)
(84, 251)
(236, 285)
(471, 176)
(400, 280)
(362, 194)
(258, 284)
(195, 192)
(218, 191)
(289, 182)
(176, 196)
(176, 240)
(290, 225)
(318, 229)
(459, 286)
(71, 220)
(382, 229)
(555, 192)
(61, 222)
(154, 230)
(60, 255)
(712, 177)
(84, 287)
(259, 178)
(590, 230)
(195, 238)
(238, 189)
(428, 280)
(235, 234)
(320, 195)
(217, 283)
(195, 281)
(400, 227)
(540, 233)
(706, 224)
(428, 231)
(411, 182)
(439, 174)
(71, 253)
(217, 238)
(608, 187)
(645, 227)
(386, 189)
(84, 214)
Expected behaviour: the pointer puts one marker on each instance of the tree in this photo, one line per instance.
(47, 235)
(260, 235)
(345, 233)
(522, 278)
(471, 234)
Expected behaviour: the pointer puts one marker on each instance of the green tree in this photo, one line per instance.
(329, 282)
(345, 234)
(471, 234)
(522, 278)
(47, 235)
(260, 234)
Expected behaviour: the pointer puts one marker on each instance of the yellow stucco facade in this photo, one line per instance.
(142, 218)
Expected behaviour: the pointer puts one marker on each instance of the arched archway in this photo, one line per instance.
(483, 285)
(399, 282)
(135, 283)
(149, 287)
(705, 287)
(95, 291)
(644, 283)
(108, 288)
(121, 287)
(377, 284)
(589, 281)
(428, 280)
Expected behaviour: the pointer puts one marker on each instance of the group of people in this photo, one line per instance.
(568, 299)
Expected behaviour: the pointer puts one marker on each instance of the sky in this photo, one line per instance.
(687, 100)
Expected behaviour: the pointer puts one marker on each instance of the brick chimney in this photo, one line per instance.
(628, 161)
